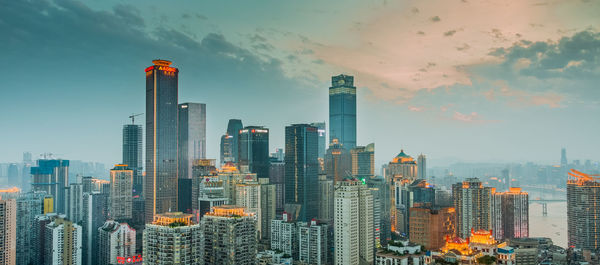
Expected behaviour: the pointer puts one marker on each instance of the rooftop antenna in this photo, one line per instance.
(132, 117)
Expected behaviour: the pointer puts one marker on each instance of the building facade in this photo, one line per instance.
(363, 161)
(253, 150)
(121, 193)
(583, 213)
(52, 177)
(115, 240)
(338, 161)
(230, 142)
(313, 241)
(192, 137)
(342, 110)
(29, 205)
(430, 226)
(132, 155)
(472, 202)
(160, 186)
(8, 231)
(63, 241)
(510, 214)
(172, 238)
(229, 236)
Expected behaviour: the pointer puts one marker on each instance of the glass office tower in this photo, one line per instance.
(301, 170)
(253, 150)
(342, 111)
(132, 155)
(192, 136)
(160, 191)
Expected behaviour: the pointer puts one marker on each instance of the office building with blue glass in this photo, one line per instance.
(342, 111)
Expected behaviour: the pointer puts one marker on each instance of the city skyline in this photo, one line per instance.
(489, 112)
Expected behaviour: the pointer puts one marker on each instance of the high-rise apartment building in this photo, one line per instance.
(313, 243)
(230, 142)
(229, 236)
(192, 137)
(95, 213)
(74, 202)
(353, 223)
(326, 196)
(62, 242)
(301, 169)
(277, 178)
(132, 155)
(583, 213)
(121, 193)
(115, 240)
(284, 236)
(472, 202)
(342, 110)
(52, 177)
(363, 161)
(510, 214)
(430, 226)
(160, 185)
(338, 162)
(258, 198)
(253, 150)
(8, 231)
(400, 171)
(29, 205)
(422, 167)
(172, 239)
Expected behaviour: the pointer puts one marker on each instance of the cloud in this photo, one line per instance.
(435, 19)
(416, 109)
(473, 117)
(449, 33)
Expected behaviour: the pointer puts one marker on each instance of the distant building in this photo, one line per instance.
(132, 155)
(363, 161)
(510, 214)
(229, 236)
(313, 243)
(8, 231)
(192, 137)
(115, 240)
(253, 150)
(430, 226)
(160, 183)
(422, 167)
(301, 169)
(583, 213)
(121, 193)
(230, 142)
(338, 162)
(353, 223)
(52, 177)
(62, 242)
(472, 202)
(342, 110)
(172, 238)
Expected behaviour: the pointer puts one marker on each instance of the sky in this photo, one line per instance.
(456, 80)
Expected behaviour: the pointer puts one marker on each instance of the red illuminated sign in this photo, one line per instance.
(127, 260)
(149, 68)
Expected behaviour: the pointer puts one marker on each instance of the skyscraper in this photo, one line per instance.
(13, 175)
(322, 138)
(229, 236)
(563, 157)
(342, 110)
(52, 177)
(363, 161)
(172, 239)
(95, 213)
(121, 197)
(301, 168)
(277, 178)
(132, 155)
(230, 142)
(338, 162)
(401, 170)
(353, 223)
(63, 241)
(583, 213)
(422, 167)
(510, 214)
(115, 240)
(472, 204)
(253, 151)
(160, 187)
(192, 137)
(8, 231)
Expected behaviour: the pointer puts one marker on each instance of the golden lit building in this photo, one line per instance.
(429, 227)
(583, 213)
(172, 238)
(229, 236)
(401, 170)
(466, 251)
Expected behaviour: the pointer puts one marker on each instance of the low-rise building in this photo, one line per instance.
(400, 252)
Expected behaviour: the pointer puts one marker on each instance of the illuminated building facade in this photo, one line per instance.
(121, 193)
(230, 142)
(172, 239)
(160, 187)
(229, 236)
(301, 170)
(353, 223)
(472, 202)
(400, 171)
(192, 137)
(115, 240)
(253, 151)
(132, 155)
(342, 110)
(338, 162)
(52, 177)
(363, 161)
(510, 214)
(8, 231)
(583, 213)
(430, 226)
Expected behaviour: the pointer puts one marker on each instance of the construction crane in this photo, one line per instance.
(132, 117)
(580, 177)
